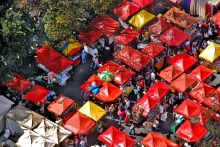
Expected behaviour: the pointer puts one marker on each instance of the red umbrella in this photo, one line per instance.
(143, 3)
(153, 49)
(191, 132)
(37, 94)
(201, 73)
(19, 84)
(216, 18)
(126, 36)
(159, 27)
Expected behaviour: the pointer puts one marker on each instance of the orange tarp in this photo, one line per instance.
(201, 73)
(153, 49)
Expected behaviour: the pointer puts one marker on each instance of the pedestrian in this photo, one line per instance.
(107, 109)
(132, 129)
(86, 140)
(50, 77)
(161, 109)
(120, 114)
(93, 59)
(127, 103)
(111, 110)
(96, 64)
(127, 117)
(76, 141)
(82, 143)
(39, 79)
(155, 124)
(83, 55)
(99, 129)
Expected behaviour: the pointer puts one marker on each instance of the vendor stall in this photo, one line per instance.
(143, 3)
(159, 27)
(49, 59)
(126, 36)
(201, 73)
(213, 100)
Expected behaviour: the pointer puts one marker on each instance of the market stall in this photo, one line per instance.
(213, 100)
(156, 140)
(80, 124)
(62, 107)
(159, 27)
(132, 58)
(113, 137)
(201, 73)
(143, 3)
(50, 60)
(216, 19)
(126, 36)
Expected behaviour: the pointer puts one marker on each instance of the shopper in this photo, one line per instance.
(127, 117)
(82, 143)
(120, 114)
(99, 129)
(132, 129)
(111, 111)
(83, 55)
(50, 77)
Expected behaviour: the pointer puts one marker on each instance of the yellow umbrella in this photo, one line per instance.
(211, 52)
(141, 18)
(92, 110)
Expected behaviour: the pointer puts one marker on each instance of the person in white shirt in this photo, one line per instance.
(152, 76)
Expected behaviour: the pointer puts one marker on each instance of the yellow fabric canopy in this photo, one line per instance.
(92, 110)
(71, 46)
(211, 52)
(141, 18)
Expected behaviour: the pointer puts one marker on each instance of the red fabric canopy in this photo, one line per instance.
(201, 91)
(159, 27)
(153, 49)
(126, 36)
(191, 132)
(90, 35)
(126, 9)
(173, 36)
(213, 100)
(183, 61)
(113, 137)
(183, 82)
(143, 3)
(170, 73)
(216, 18)
(105, 24)
(201, 73)
(133, 58)
(60, 105)
(85, 86)
(79, 124)
(37, 94)
(121, 74)
(156, 140)
(19, 84)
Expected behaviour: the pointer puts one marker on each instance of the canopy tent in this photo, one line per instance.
(93, 79)
(121, 74)
(19, 118)
(32, 139)
(92, 111)
(126, 9)
(19, 83)
(201, 73)
(113, 137)
(52, 131)
(153, 49)
(70, 46)
(106, 24)
(216, 18)
(170, 73)
(156, 140)
(183, 61)
(141, 18)
(37, 94)
(213, 100)
(133, 58)
(159, 27)
(180, 18)
(5, 106)
(60, 105)
(90, 35)
(173, 36)
(126, 36)
(201, 91)
(143, 3)
(191, 132)
(211, 52)
(183, 82)
(79, 123)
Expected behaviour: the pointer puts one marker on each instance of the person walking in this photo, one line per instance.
(127, 117)
(96, 64)
(99, 129)
(120, 114)
(50, 77)
(132, 129)
(86, 140)
(111, 111)
(82, 143)
(83, 55)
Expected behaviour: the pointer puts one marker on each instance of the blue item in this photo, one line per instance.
(96, 90)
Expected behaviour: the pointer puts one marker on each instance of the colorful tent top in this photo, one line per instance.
(121, 74)
(180, 18)
(37, 94)
(69, 46)
(60, 105)
(126, 9)
(52, 60)
(158, 90)
(93, 79)
(92, 111)
(79, 124)
(159, 27)
(113, 137)
(183, 82)
(201, 91)
(183, 61)
(126, 36)
(141, 18)
(19, 83)
(106, 24)
(211, 52)
(213, 100)
(201, 73)
(31, 139)
(153, 49)
(156, 140)
(143, 3)
(191, 132)
(90, 35)
(170, 73)
(173, 36)
(216, 18)
(133, 58)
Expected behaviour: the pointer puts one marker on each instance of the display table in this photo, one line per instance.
(137, 118)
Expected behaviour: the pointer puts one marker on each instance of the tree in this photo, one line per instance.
(15, 44)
